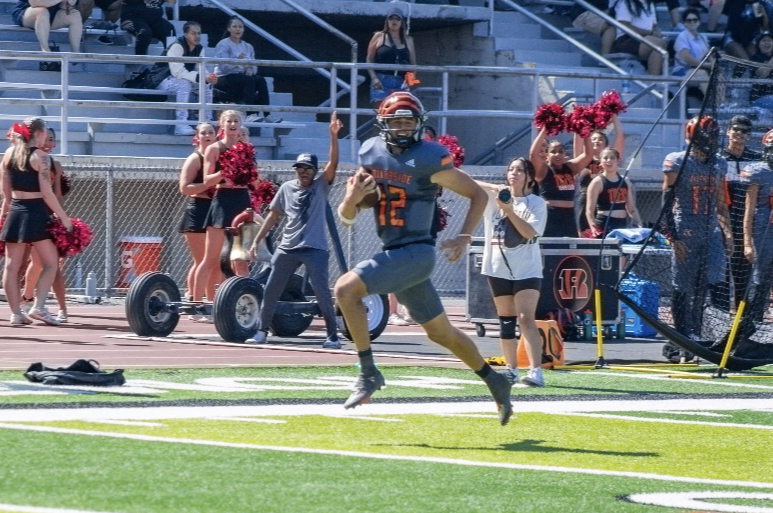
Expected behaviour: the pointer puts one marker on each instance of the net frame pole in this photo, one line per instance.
(600, 362)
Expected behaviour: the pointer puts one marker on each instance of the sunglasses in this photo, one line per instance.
(741, 130)
(395, 18)
(692, 20)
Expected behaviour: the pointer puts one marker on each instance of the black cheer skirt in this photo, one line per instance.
(195, 215)
(227, 204)
(26, 222)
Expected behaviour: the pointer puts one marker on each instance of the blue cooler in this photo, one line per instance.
(646, 294)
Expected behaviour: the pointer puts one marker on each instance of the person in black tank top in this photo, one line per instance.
(27, 210)
(35, 266)
(610, 198)
(556, 178)
(389, 46)
(228, 202)
(192, 185)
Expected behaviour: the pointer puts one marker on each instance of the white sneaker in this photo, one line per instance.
(42, 314)
(205, 319)
(184, 130)
(534, 378)
(408, 319)
(254, 118)
(259, 338)
(272, 119)
(396, 320)
(19, 319)
(61, 316)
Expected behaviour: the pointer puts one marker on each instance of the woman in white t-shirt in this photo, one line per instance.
(639, 16)
(514, 221)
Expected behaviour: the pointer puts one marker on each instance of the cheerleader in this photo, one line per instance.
(26, 180)
(228, 202)
(610, 198)
(192, 185)
(36, 265)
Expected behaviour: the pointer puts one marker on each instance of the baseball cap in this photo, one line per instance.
(307, 159)
(395, 11)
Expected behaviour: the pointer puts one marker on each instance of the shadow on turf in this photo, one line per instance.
(531, 446)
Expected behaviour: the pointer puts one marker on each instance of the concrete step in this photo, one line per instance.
(518, 43)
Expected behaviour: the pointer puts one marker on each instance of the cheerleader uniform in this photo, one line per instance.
(228, 202)
(27, 218)
(558, 185)
(612, 198)
(195, 217)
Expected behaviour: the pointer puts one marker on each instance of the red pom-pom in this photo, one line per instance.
(73, 242)
(442, 218)
(66, 184)
(607, 106)
(551, 117)
(262, 195)
(237, 165)
(581, 121)
(454, 148)
(2, 243)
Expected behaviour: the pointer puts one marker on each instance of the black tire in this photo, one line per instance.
(480, 330)
(236, 309)
(145, 305)
(377, 307)
(291, 325)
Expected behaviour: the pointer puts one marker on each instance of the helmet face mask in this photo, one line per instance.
(401, 104)
(703, 134)
(767, 145)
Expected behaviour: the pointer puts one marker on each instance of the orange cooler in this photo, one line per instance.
(138, 255)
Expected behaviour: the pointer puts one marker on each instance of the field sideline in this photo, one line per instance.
(278, 440)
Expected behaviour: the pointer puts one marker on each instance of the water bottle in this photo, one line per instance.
(587, 325)
(620, 335)
(626, 86)
(91, 285)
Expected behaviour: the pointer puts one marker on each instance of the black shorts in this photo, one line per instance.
(560, 222)
(626, 44)
(504, 287)
(227, 204)
(195, 215)
(27, 221)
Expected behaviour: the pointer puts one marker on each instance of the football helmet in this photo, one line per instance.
(703, 133)
(401, 104)
(767, 145)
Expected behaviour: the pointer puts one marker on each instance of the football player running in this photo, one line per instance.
(404, 172)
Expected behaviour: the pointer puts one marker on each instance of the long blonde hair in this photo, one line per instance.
(21, 150)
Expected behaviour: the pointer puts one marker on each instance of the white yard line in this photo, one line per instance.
(669, 421)
(391, 457)
(660, 377)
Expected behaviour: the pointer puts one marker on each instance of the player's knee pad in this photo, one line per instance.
(507, 327)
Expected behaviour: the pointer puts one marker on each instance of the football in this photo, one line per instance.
(371, 199)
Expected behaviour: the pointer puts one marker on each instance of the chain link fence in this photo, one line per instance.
(134, 208)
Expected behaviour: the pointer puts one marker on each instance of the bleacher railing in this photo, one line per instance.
(441, 79)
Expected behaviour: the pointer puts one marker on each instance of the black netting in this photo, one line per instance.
(712, 247)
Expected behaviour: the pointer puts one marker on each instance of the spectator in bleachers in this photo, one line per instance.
(144, 19)
(241, 83)
(762, 94)
(639, 16)
(43, 16)
(690, 48)
(595, 24)
(746, 19)
(185, 76)
(390, 46)
(111, 12)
